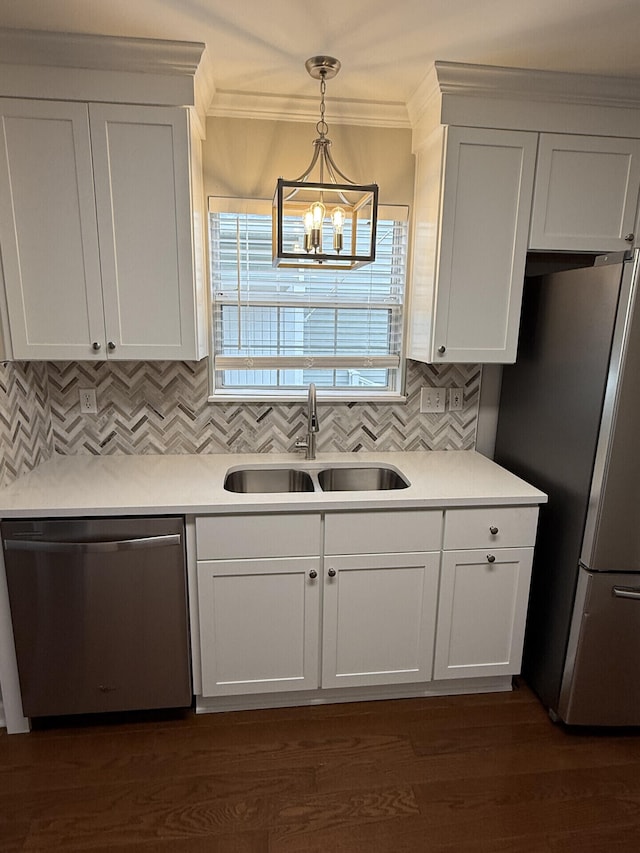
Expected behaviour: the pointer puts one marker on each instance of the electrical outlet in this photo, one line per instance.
(432, 400)
(456, 399)
(88, 402)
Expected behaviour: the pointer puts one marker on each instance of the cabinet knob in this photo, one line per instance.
(313, 574)
(332, 573)
(111, 345)
(491, 558)
(442, 350)
(629, 238)
(96, 345)
(493, 530)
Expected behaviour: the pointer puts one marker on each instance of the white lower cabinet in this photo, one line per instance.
(481, 612)
(484, 591)
(300, 602)
(259, 623)
(380, 596)
(259, 602)
(379, 619)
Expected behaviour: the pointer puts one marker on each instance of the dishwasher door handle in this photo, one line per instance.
(93, 547)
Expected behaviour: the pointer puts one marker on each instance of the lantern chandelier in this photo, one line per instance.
(329, 223)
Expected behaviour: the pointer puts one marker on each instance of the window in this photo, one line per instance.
(277, 330)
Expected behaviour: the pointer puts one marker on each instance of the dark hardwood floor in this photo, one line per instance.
(488, 774)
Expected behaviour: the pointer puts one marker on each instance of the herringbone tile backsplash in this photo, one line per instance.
(26, 434)
(161, 407)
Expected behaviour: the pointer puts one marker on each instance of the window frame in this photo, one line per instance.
(220, 204)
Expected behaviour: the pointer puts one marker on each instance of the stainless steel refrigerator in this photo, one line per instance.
(569, 423)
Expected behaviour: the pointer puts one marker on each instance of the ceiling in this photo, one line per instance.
(258, 47)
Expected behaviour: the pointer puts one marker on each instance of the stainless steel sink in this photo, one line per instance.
(370, 478)
(257, 480)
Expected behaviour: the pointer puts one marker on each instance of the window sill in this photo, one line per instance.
(301, 397)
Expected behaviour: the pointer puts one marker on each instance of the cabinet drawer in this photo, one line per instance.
(221, 537)
(473, 528)
(383, 532)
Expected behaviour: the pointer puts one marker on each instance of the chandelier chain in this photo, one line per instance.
(322, 127)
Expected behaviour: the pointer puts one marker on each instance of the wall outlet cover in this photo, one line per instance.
(88, 402)
(432, 400)
(456, 399)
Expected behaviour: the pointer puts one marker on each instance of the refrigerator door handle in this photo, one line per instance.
(627, 592)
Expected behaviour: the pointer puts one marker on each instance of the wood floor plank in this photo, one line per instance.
(91, 799)
(618, 839)
(124, 816)
(487, 773)
(498, 760)
(13, 832)
(398, 836)
(237, 842)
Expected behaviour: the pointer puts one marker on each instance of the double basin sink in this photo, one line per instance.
(338, 478)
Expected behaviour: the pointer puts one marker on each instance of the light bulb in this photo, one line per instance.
(317, 211)
(308, 227)
(337, 219)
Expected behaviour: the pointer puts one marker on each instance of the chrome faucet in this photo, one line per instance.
(308, 444)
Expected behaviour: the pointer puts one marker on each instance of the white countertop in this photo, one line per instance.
(186, 484)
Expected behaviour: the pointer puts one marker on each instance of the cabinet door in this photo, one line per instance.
(484, 226)
(48, 231)
(379, 619)
(259, 622)
(586, 193)
(481, 612)
(143, 200)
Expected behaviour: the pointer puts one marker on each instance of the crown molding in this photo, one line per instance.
(456, 78)
(425, 99)
(459, 79)
(106, 53)
(305, 109)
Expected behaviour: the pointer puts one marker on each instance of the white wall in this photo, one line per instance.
(243, 158)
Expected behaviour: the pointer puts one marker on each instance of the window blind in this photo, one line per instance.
(280, 329)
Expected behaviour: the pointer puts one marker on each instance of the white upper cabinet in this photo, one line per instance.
(586, 193)
(472, 208)
(143, 200)
(97, 232)
(48, 231)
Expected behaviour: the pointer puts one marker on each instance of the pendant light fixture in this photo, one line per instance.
(328, 223)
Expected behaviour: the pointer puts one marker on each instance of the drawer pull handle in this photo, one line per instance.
(491, 558)
(442, 350)
(313, 574)
(332, 573)
(493, 531)
(626, 592)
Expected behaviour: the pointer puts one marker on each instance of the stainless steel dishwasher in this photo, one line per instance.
(99, 612)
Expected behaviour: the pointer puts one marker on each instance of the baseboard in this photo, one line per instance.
(219, 704)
